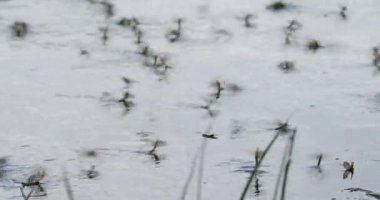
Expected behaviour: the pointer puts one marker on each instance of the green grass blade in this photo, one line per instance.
(256, 169)
(286, 170)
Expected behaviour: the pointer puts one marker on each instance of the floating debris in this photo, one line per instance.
(92, 173)
(19, 29)
(145, 51)
(342, 12)
(68, 188)
(129, 22)
(287, 66)
(104, 32)
(139, 35)
(236, 129)
(3, 164)
(84, 52)
(376, 57)
(314, 45)
(320, 157)
(289, 30)
(91, 153)
(109, 8)
(233, 87)
(209, 136)
(247, 21)
(277, 6)
(375, 195)
(128, 82)
(3, 161)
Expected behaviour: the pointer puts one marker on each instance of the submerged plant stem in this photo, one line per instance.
(67, 185)
(280, 174)
(190, 177)
(200, 168)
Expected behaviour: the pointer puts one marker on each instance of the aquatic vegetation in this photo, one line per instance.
(283, 127)
(19, 29)
(189, 177)
(287, 66)
(255, 171)
(201, 52)
(288, 163)
(284, 167)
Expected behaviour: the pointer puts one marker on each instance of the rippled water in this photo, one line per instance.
(56, 104)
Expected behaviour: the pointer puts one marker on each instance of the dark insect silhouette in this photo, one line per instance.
(277, 6)
(376, 57)
(19, 29)
(348, 169)
(92, 172)
(247, 21)
(289, 30)
(175, 34)
(314, 45)
(287, 66)
(342, 12)
(209, 136)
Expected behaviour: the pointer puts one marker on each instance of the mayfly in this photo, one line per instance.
(348, 169)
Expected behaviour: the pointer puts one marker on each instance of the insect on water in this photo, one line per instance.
(348, 169)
